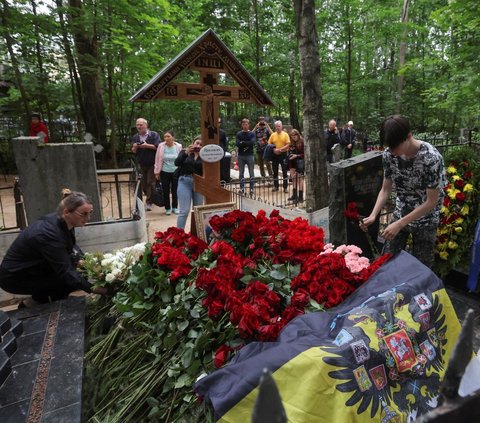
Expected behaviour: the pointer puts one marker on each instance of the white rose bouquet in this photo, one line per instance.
(109, 269)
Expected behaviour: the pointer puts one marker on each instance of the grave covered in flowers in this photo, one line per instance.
(183, 309)
(459, 213)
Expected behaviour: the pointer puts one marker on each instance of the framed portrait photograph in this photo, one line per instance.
(203, 214)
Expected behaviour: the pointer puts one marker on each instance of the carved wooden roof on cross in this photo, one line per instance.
(211, 58)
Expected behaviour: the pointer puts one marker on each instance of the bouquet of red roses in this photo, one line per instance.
(193, 305)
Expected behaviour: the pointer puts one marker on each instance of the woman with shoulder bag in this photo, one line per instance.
(165, 169)
(296, 165)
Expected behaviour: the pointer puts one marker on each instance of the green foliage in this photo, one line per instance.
(152, 354)
(359, 49)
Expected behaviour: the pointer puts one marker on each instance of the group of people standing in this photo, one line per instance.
(345, 137)
(274, 150)
(43, 259)
(174, 167)
(171, 165)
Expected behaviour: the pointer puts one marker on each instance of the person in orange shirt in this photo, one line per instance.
(281, 140)
(38, 128)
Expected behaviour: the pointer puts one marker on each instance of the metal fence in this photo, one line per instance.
(263, 192)
(118, 191)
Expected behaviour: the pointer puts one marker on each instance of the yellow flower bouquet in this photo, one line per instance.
(459, 211)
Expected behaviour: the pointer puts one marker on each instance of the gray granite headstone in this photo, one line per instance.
(45, 169)
(358, 180)
(337, 153)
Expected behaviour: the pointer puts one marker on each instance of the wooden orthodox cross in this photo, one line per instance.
(215, 63)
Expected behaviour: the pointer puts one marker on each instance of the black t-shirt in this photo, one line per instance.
(188, 165)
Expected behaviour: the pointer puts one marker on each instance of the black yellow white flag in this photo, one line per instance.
(379, 356)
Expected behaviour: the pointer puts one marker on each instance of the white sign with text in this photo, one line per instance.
(212, 153)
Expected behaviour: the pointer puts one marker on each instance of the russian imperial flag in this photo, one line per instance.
(379, 356)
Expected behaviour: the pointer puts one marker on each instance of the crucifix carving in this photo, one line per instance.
(209, 56)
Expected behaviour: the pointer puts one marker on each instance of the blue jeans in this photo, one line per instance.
(185, 196)
(250, 162)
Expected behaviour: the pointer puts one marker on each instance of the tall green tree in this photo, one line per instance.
(10, 43)
(315, 153)
(86, 44)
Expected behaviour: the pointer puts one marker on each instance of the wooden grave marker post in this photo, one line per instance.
(213, 61)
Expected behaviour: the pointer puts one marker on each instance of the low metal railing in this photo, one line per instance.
(263, 192)
(118, 188)
(8, 202)
(117, 192)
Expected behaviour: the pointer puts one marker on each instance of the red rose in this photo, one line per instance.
(300, 299)
(460, 196)
(179, 272)
(238, 235)
(195, 246)
(221, 247)
(215, 309)
(262, 309)
(290, 312)
(256, 288)
(269, 333)
(221, 355)
(459, 184)
(249, 322)
(351, 212)
(272, 298)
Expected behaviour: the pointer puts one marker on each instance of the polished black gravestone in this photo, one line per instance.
(358, 180)
(10, 330)
(464, 300)
(45, 383)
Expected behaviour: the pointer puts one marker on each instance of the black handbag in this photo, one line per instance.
(176, 173)
(157, 195)
(300, 165)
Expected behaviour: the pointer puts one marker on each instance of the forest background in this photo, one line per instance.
(79, 61)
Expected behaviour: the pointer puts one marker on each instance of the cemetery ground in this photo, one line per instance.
(69, 372)
(158, 221)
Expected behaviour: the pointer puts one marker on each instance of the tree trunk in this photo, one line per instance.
(72, 70)
(402, 54)
(315, 155)
(111, 99)
(349, 63)
(15, 65)
(88, 68)
(42, 76)
(292, 101)
(257, 41)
